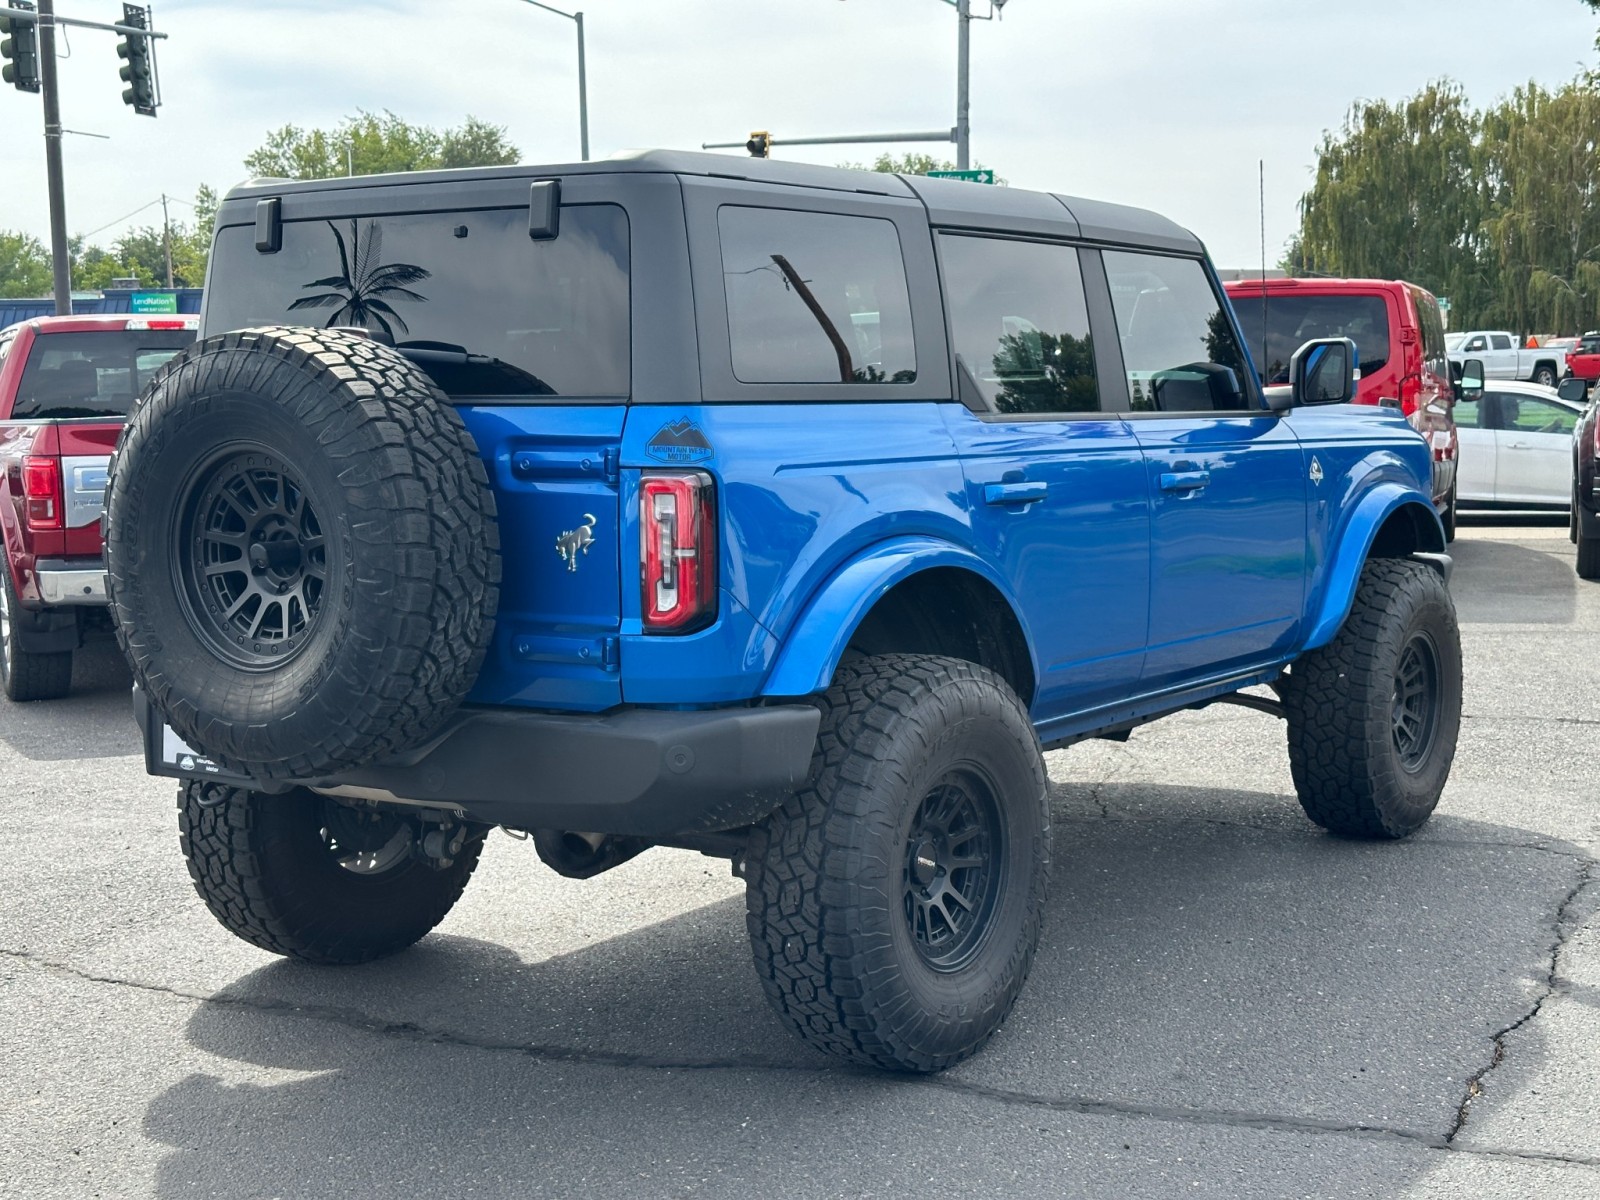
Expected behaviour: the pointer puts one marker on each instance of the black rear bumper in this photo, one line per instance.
(639, 772)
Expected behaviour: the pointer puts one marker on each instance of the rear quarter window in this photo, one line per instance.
(815, 297)
(84, 375)
(484, 309)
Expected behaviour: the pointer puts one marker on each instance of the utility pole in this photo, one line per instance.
(166, 237)
(61, 266)
(963, 60)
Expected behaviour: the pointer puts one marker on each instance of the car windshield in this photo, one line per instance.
(1290, 321)
(92, 374)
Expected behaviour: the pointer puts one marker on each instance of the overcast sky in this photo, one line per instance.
(1167, 104)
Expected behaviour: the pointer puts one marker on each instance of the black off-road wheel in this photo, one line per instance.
(301, 551)
(24, 674)
(308, 877)
(894, 904)
(1373, 716)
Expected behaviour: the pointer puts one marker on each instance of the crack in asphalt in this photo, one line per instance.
(1551, 986)
(352, 1018)
(1541, 719)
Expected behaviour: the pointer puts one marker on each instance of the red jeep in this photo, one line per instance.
(1399, 335)
(65, 387)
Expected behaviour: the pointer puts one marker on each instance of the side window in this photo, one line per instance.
(1477, 343)
(1020, 324)
(1529, 414)
(815, 297)
(1500, 341)
(1433, 348)
(1467, 414)
(1178, 345)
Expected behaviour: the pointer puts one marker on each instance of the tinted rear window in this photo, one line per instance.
(483, 308)
(92, 374)
(815, 298)
(1293, 320)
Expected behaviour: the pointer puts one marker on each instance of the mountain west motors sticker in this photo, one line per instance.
(679, 442)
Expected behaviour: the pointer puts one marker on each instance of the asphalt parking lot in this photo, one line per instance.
(1226, 1002)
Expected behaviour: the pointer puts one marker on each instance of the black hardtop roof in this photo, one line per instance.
(949, 202)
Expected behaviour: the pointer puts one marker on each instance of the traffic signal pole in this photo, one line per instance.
(60, 264)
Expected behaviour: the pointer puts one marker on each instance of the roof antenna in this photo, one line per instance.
(1261, 166)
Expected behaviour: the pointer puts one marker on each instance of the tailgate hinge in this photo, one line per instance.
(613, 464)
(611, 653)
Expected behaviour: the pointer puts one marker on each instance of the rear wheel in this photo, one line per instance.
(1545, 374)
(25, 675)
(894, 904)
(308, 877)
(1448, 517)
(1588, 556)
(1373, 716)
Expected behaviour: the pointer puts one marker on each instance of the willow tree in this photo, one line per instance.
(1396, 196)
(1540, 180)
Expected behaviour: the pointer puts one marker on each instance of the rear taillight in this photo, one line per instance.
(1410, 394)
(41, 491)
(678, 551)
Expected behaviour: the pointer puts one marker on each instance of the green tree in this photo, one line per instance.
(24, 265)
(1397, 195)
(373, 143)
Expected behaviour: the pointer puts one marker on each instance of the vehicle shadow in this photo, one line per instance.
(94, 720)
(1512, 583)
(1199, 971)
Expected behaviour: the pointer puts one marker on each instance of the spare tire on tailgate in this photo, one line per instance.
(301, 551)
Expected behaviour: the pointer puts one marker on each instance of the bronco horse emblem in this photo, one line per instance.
(576, 541)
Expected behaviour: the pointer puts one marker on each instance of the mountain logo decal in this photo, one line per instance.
(679, 442)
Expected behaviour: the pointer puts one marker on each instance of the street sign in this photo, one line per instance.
(153, 302)
(980, 175)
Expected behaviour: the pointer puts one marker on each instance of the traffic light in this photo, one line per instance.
(760, 144)
(20, 50)
(139, 70)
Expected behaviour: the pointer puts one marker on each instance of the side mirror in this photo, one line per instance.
(1574, 389)
(1323, 372)
(1471, 379)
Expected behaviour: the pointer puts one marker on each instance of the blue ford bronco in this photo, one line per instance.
(776, 512)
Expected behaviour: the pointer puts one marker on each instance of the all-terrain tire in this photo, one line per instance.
(1373, 716)
(845, 881)
(264, 868)
(302, 555)
(1588, 556)
(24, 674)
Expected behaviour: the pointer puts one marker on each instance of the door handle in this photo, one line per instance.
(1184, 481)
(1521, 446)
(1014, 493)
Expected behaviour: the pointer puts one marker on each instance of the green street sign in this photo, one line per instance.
(981, 175)
(153, 302)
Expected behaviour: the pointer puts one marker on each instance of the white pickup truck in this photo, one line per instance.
(1504, 357)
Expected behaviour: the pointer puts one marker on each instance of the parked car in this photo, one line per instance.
(1400, 335)
(1585, 526)
(1504, 357)
(65, 386)
(1516, 446)
(1583, 362)
(772, 511)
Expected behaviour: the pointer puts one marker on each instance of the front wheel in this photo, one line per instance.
(894, 904)
(311, 878)
(1373, 716)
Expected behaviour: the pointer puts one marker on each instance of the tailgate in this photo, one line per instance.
(85, 453)
(555, 478)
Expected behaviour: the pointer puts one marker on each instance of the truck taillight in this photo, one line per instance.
(1410, 394)
(678, 551)
(41, 491)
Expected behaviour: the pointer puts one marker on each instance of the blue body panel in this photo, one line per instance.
(1134, 596)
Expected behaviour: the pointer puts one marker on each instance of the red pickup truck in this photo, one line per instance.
(65, 386)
